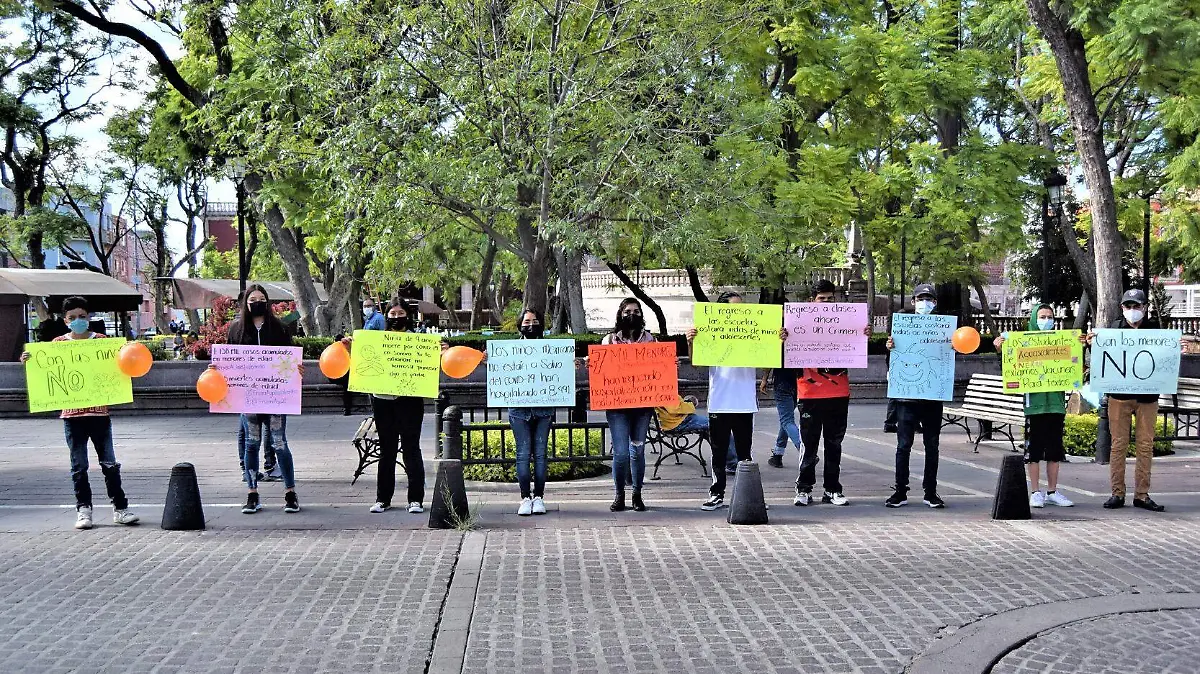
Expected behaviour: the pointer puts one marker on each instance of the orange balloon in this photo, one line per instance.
(460, 361)
(134, 359)
(965, 340)
(335, 361)
(212, 386)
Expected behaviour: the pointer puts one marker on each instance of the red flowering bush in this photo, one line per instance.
(216, 329)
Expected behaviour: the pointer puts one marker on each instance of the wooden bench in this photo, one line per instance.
(1181, 411)
(672, 443)
(366, 443)
(987, 403)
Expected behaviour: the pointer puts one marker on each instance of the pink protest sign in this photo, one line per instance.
(825, 334)
(262, 379)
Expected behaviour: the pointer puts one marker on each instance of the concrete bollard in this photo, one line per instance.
(748, 505)
(1104, 436)
(183, 510)
(449, 507)
(1012, 497)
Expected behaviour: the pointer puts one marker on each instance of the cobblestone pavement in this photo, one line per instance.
(1162, 642)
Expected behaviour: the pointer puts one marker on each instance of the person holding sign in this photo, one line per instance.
(1046, 414)
(91, 423)
(732, 404)
(531, 430)
(628, 427)
(257, 325)
(398, 422)
(1122, 407)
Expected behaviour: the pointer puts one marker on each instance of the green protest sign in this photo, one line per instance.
(1042, 361)
(738, 335)
(395, 363)
(74, 374)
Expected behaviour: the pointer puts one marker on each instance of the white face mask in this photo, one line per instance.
(1133, 315)
(925, 306)
(368, 312)
(1045, 323)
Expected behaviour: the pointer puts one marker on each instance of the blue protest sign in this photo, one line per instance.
(1136, 361)
(922, 362)
(531, 373)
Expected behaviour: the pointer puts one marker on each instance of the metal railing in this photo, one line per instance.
(464, 435)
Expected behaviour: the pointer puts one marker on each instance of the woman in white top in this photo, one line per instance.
(628, 427)
(732, 404)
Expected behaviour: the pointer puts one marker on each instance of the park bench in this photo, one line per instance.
(366, 443)
(1181, 411)
(673, 443)
(987, 403)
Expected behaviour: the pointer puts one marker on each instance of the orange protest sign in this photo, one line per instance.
(633, 375)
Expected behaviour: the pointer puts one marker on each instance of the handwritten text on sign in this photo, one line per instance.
(262, 379)
(395, 363)
(922, 362)
(1043, 361)
(825, 334)
(1136, 361)
(633, 375)
(531, 373)
(74, 374)
(737, 335)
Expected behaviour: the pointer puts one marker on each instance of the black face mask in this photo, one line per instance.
(631, 323)
(397, 324)
(532, 331)
(258, 309)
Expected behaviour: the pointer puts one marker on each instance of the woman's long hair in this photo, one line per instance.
(272, 328)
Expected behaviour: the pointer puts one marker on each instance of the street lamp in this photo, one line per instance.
(238, 173)
(1052, 203)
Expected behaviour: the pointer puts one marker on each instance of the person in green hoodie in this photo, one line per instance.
(1046, 413)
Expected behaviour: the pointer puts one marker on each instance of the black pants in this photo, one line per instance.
(822, 416)
(398, 426)
(720, 426)
(347, 395)
(910, 413)
(889, 421)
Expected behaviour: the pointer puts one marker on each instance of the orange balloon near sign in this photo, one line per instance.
(212, 386)
(965, 340)
(134, 359)
(335, 361)
(460, 361)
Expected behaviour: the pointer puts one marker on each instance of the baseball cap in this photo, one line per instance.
(1134, 295)
(924, 289)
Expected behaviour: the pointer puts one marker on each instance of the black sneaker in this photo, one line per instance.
(1148, 504)
(291, 504)
(889, 428)
(618, 503)
(252, 505)
(713, 503)
(1114, 502)
(933, 500)
(776, 461)
(897, 499)
(638, 505)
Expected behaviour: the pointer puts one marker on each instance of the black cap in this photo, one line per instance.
(1134, 295)
(924, 289)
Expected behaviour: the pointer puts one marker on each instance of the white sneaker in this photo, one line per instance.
(415, 508)
(526, 507)
(378, 507)
(1057, 499)
(83, 518)
(803, 498)
(539, 506)
(124, 517)
(1037, 500)
(837, 499)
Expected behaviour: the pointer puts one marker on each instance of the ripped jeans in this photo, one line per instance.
(99, 430)
(628, 428)
(277, 436)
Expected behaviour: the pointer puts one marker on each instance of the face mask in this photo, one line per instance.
(258, 309)
(368, 312)
(1045, 323)
(397, 324)
(631, 323)
(1133, 315)
(925, 306)
(78, 326)
(532, 331)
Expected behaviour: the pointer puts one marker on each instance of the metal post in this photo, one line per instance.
(1046, 248)
(1146, 251)
(1104, 435)
(241, 224)
(449, 509)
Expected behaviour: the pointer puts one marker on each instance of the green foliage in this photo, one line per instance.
(313, 346)
(160, 347)
(266, 265)
(587, 442)
(1079, 436)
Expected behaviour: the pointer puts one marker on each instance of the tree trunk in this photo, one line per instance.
(869, 259)
(483, 286)
(570, 274)
(694, 281)
(1069, 49)
(1085, 308)
(331, 314)
(295, 262)
(988, 320)
(642, 297)
(537, 281)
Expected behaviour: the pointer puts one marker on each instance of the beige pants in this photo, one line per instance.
(1119, 413)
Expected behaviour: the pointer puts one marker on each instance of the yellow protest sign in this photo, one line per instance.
(738, 335)
(1042, 361)
(74, 374)
(395, 363)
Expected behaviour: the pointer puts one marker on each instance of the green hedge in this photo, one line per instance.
(161, 347)
(313, 346)
(1079, 436)
(587, 441)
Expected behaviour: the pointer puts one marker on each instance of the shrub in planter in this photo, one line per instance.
(313, 346)
(160, 349)
(1079, 436)
(586, 442)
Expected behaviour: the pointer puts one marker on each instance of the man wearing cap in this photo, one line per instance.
(911, 414)
(1122, 406)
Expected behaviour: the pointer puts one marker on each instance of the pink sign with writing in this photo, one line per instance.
(262, 379)
(825, 334)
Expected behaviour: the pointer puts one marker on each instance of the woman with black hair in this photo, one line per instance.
(258, 326)
(628, 427)
(531, 430)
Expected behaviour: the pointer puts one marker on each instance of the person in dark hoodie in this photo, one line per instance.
(1046, 415)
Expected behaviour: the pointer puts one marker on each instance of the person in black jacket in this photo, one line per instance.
(257, 325)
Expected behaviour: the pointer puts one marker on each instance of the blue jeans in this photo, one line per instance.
(99, 430)
(531, 430)
(276, 428)
(628, 431)
(693, 423)
(785, 404)
(268, 448)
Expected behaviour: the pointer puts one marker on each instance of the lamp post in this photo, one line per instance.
(238, 173)
(1052, 203)
(1146, 249)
